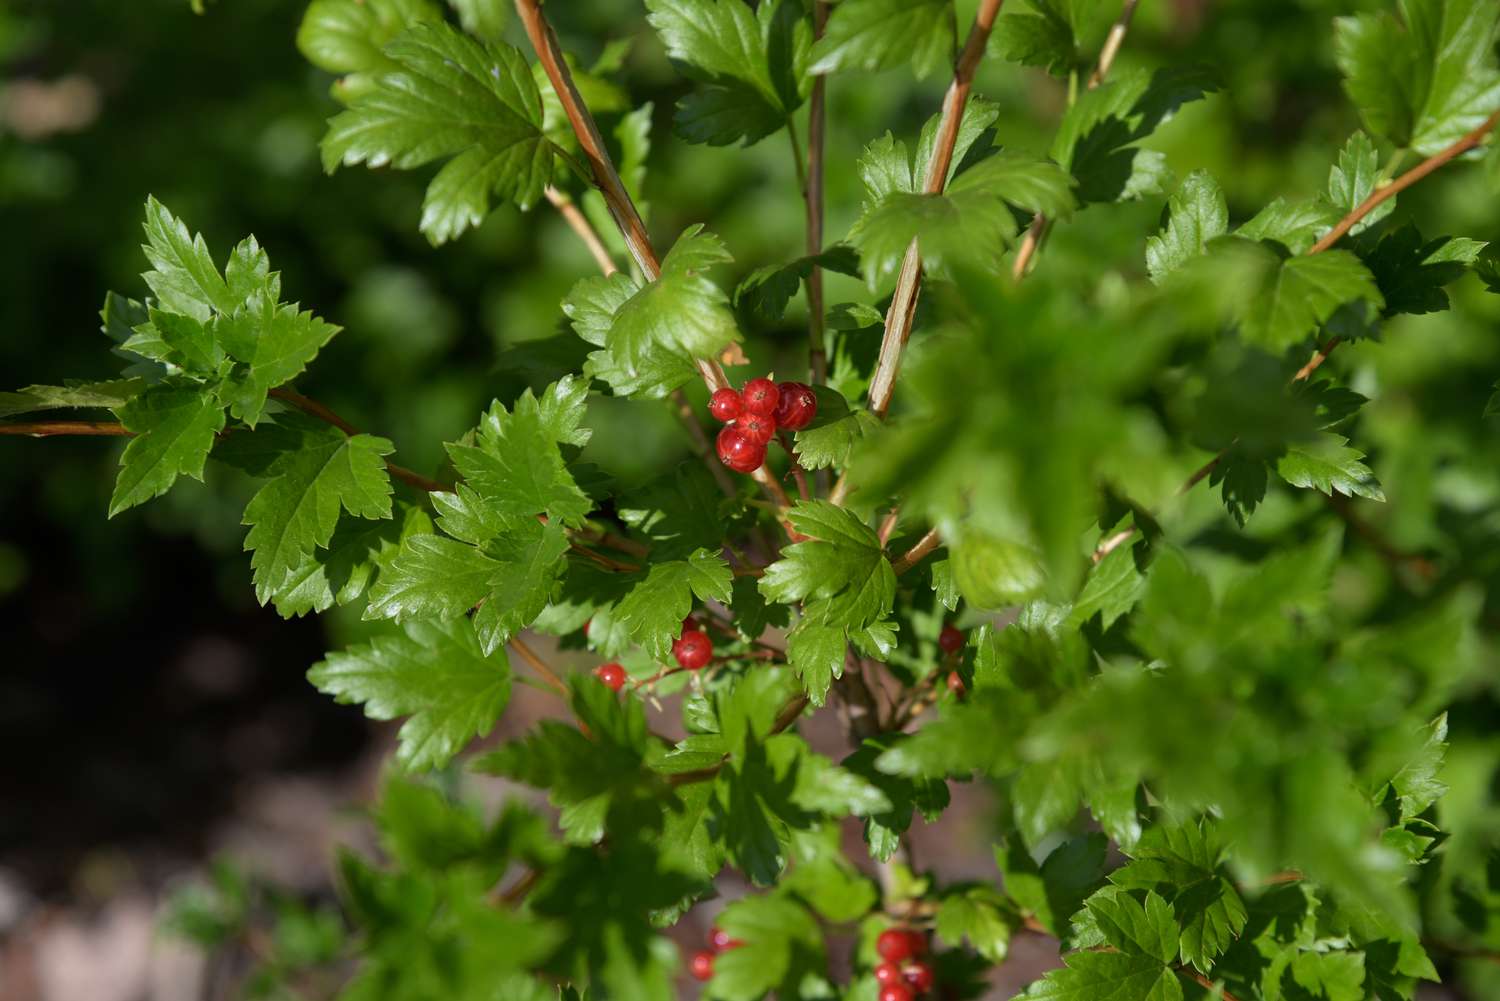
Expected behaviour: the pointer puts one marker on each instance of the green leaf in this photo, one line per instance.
(1196, 214)
(184, 276)
(825, 879)
(781, 940)
(1112, 588)
(828, 441)
(1055, 891)
(1107, 976)
(515, 464)
(109, 395)
(1041, 37)
(1147, 930)
(298, 510)
(765, 292)
(346, 36)
(1184, 864)
(653, 610)
(359, 551)
(1284, 300)
(174, 425)
(1417, 783)
(841, 574)
(1328, 464)
(994, 573)
(979, 915)
(1295, 225)
(883, 34)
(274, 342)
(435, 674)
(1426, 83)
(682, 313)
(457, 97)
(1411, 272)
(750, 60)
(1337, 976)
(1353, 179)
(817, 654)
(1096, 140)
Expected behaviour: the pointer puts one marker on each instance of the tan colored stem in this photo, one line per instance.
(579, 224)
(817, 111)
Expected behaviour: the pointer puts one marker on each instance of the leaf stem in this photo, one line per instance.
(48, 429)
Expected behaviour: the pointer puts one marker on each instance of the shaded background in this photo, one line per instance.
(152, 716)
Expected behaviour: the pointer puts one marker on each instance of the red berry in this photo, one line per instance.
(917, 942)
(693, 649)
(739, 452)
(887, 973)
(757, 427)
(702, 965)
(920, 976)
(719, 940)
(761, 397)
(797, 406)
(951, 639)
(956, 685)
(895, 944)
(611, 674)
(726, 404)
(896, 992)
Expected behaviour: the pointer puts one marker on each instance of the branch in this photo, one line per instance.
(903, 307)
(48, 429)
(813, 194)
(1037, 231)
(925, 545)
(580, 225)
(607, 179)
(539, 666)
(314, 408)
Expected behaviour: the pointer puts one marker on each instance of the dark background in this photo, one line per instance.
(151, 714)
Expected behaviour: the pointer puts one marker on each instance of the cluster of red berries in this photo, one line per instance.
(903, 975)
(702, 964)
(755, 414)
(951, 639)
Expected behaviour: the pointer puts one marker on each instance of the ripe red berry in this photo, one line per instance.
(761, 397)
(757, 427)
(956, 685)
(920, 976)
(702, 965)
(951, 639)
(739, 452)
(797, 406)
(887, 973)
(693, 649)
(719, 940)
(895, 945)
(726, 404)
(896, 992)
(611, 674)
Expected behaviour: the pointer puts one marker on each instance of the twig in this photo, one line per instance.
(888, 525)
(539, 666)
(796, 465)
(313, 408)
(48, 429)
(903, 307)
(580, 225)
(1204, 982)
(1112, 543)
(521, 887)
(816, 132)
(1396, 558)
(926, 544)
(607, 179)
(1037, 231)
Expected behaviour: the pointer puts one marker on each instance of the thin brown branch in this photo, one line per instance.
(925, 545)
(898, 318)
(579, 224)
(1394, 557)
(607, 179)
(1470, 141)
(521, 887)
(1037, 231)
(48, 429)
(315, 409)
(888, 525)
(816, 140)
(1204, 982)
(612, 565)
(1112, 543)
(539, 666)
